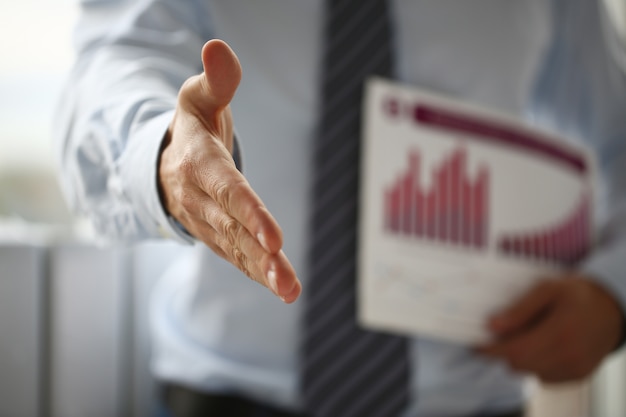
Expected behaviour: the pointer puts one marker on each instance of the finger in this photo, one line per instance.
(288, 285)
(525, 310)
(223, 183)
(270, 270)
(222, 74)
(231, 191)
(210, 237)
(535, 350)
(244, 251)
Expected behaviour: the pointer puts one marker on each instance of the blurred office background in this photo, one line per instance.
(73, 316)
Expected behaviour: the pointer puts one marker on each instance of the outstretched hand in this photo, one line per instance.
(201, 187)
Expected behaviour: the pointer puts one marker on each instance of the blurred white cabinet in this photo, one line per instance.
(90, 326)
(22, 322)
(74, 339)
(149, 261)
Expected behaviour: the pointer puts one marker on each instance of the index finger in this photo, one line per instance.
(526, 309)
(529, 351)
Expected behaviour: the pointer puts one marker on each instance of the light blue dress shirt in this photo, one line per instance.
(557, 63)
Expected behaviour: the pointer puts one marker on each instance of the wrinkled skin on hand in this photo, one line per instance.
(201, 187)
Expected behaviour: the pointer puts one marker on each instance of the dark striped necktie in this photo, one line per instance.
(347, 372)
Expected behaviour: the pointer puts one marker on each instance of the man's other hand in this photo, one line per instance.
(559, 331)
(203, 190)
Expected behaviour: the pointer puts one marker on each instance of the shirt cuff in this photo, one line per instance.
(237, 153)
(140, 172)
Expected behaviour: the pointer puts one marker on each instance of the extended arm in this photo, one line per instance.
(146, 140)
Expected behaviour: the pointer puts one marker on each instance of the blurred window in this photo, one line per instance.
(36, 51)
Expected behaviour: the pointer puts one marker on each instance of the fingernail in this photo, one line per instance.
(289, 298)
(261, 238)
(271, 280)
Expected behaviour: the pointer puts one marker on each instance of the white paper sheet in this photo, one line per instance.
(462, 210)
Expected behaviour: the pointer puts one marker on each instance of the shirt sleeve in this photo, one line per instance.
(581, 91)
(132, 58)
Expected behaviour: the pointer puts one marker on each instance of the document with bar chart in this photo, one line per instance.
(462, 210)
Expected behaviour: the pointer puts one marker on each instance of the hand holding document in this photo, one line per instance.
(462, 211)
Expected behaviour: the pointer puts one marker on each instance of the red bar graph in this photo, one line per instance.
(565, 243)
(454, 210)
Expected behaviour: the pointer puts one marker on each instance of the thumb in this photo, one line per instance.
(526, 309)
(222, 74)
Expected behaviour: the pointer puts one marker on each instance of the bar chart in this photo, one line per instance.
(462, 210)
(565, 243)
(454, 210)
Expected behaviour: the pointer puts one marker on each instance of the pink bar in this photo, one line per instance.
(466, 213)
(431, 215)
(415, 209)
(456, 202)
(539, 247)
(486, 213)
(516, 245)
(418, 214)
(571, 249)
(525, 243)
(481, 209)
(407, 203)
(586, 226)
(561, 238)
(443, 212)
(395, 209)
(577, 242)
(534, 247)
